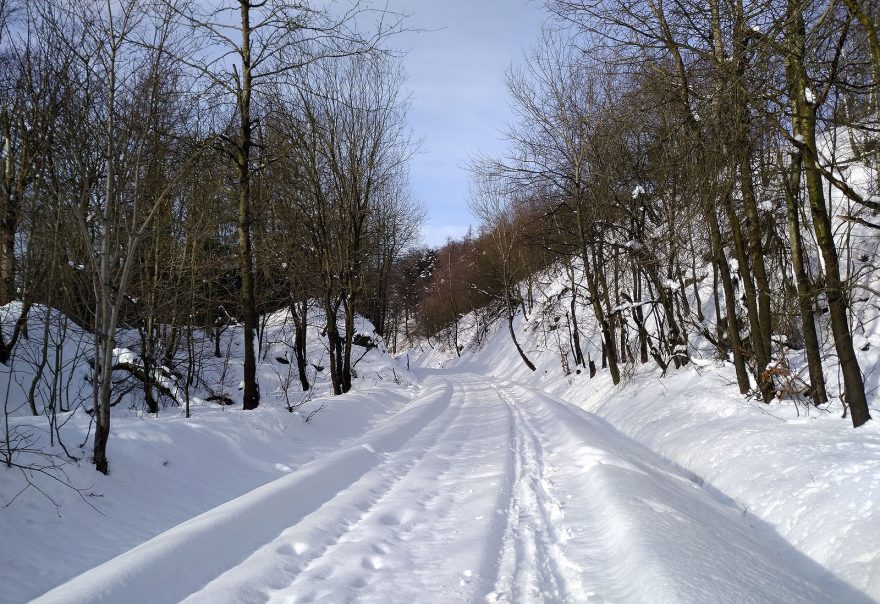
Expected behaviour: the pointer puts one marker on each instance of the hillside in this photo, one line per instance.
(800, 469)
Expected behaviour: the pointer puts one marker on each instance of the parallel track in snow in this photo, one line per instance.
(533, 563)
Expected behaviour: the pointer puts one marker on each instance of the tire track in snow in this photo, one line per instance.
(458, 498)
(426, 512)
(643, 531)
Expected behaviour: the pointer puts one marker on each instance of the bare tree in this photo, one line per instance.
(498, 212)
(245, 56)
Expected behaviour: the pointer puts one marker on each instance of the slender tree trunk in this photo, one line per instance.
(802, 284)
(105, 332)
(756, 256)
(348, 340)
(609, 357)
(599, 294)
(334, 343)
(639, 315)
(576, 333)
(749, 298)
(575, 330)
(744, 153)
(251, 395)
(804, 126)
(742, 376)
(7, 257)
(9, 219)
(609, 354)
(510, 314)
(148, 345)
(300, 323)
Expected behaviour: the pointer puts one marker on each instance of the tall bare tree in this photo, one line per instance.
(247, 49)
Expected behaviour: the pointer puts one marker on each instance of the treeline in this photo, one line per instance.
(669, 155)
(177, 167)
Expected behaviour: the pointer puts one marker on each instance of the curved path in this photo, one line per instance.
(479, 491)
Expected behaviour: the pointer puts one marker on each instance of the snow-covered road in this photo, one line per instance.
(479, 490)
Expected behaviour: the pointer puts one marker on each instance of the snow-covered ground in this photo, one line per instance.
(468, 479)
(165, 468)
(480, 489)
(801, 472)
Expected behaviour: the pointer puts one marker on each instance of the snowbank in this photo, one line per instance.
(165, 468)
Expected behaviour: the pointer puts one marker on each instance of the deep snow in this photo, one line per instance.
(165, 469)
(477, 481)
(478, 490)
(805, 472)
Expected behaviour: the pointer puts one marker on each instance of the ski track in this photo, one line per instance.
(533, 563)
(479, 491)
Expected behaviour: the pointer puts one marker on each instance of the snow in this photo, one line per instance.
(468, 479)
(480, 481)
(231, 531)
(481, 489)
(812, 476)
(165, 468)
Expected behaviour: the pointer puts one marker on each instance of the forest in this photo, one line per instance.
(235, 367)
(175, 171)
(672, 154)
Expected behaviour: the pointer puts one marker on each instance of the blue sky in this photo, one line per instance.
(459, 102)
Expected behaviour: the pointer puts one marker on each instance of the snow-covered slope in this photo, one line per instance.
(804, 471)
(165, 468)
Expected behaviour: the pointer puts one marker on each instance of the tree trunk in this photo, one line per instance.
(510, 314)
(804, 126)
(756, 256)
(10, 211)
(749, 298)
(742, 376)
(639, 316)
(334, 343)
(802, 284)
(744, 153)
(609, 354)
(576, 332)
(251, 395)
(348, 339)
(300, 324)
(7, 256)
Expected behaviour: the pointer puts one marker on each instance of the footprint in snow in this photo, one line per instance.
(289, 550)
(373, 563)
